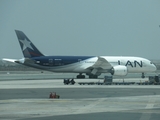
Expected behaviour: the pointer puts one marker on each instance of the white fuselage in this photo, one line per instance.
(133, 64)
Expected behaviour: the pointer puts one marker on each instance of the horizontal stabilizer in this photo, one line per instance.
(10, 60)
(20, 61)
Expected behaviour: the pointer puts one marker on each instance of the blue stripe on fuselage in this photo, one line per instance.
(59, 60)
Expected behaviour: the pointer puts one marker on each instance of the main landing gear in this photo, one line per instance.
(90, 76)
(80, 76)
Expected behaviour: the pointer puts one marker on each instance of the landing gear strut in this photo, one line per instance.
(143, 75)
(80, 76)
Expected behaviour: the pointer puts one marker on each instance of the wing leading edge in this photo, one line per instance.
(101, 63)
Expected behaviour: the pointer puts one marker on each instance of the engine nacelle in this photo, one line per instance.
(119, 70)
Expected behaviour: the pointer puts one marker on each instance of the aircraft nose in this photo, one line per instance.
(154, 68)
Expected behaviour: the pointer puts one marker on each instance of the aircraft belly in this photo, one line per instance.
(136, 69)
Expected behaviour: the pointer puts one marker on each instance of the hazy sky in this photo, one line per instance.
(82, 27)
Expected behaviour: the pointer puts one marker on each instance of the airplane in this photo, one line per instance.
(93, 66)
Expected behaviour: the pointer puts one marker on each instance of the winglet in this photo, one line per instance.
(28, 48)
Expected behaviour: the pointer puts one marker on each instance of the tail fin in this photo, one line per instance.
(28, 48)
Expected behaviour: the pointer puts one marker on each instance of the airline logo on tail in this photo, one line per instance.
(28, 48)
(26, 44)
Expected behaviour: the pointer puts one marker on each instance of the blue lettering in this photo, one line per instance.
(138, 63)
(134, 64)
(129, 63)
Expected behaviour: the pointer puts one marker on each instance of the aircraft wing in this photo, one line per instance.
(101, 63)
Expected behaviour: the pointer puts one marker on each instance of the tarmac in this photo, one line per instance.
(29, 99)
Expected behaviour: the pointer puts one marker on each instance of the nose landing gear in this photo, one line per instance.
(143, 75)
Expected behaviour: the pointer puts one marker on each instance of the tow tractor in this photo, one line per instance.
(54, 95)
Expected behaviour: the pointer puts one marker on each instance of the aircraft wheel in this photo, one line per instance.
(143, 76)
(95, 76)
(78, 76)
(90, 76)
(83, 76)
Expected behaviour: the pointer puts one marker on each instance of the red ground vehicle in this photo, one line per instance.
(54, 95)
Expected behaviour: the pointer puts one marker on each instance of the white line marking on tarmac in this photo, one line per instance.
(89, 107)
(150, 105)
(59, 84)
(29, 108)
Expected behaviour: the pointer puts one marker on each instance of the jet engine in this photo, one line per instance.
(119, 70)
